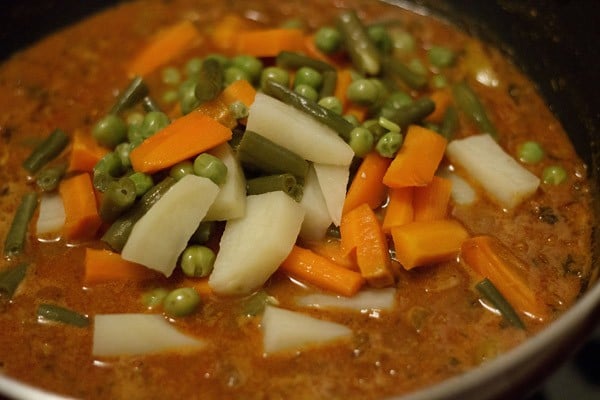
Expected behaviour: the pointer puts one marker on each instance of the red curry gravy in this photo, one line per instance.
(438, 327)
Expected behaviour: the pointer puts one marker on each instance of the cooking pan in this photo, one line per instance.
(555, 42)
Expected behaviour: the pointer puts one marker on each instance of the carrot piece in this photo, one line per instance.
(225, 32)
(418, 158)
(240, 90)
(399, 210)
(367, 186)
(372, 253)
(106, 266)
(312, 268)
(360, 112)
(85, 152)
(428, 242)
(344, 79)
(164, 47)
(332, 250)
(270, 42)
(218, 110)
(442, 99)
(493, 260)
(431, 202)
(82, 220)
(183, 138)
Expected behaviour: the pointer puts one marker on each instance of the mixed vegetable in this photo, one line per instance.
(330, 156)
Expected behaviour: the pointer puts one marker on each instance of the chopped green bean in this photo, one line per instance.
(203, 232)
(143, 182)
(187, 96)
(118, 198)
(197, 261)
(357, 42)
(449, 123)
(389, 125)
(51, 312)
(17, 233)
(210, 167)
(149, 104)
(257, 152)
(470, 104)
(181, 302)
(49, 178)
(297, 192)
(399, 71)
(294, 61)
(271, 183)
(438, 82)
(491, 293)
(106, 170)
(380, 37)
(133, 93)
(10, 280)
(411, 113)
(46, 151)
(210, 80)
(329, 84)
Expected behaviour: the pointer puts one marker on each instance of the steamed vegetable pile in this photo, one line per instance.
(331, 156)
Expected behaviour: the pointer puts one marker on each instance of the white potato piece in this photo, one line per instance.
(135, 334)
(52, 215)
(500, 175)
(298, 132)
(333, 180)
(285, 330)
(159, 237)
(462, 192)
(363, 301)
(253, 247)
(231, 200)
(317, 218)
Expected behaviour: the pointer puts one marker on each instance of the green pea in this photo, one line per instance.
(402, 41)
(530, 152)
(210, 167)
(143, 182)
(203, 232)
(363, 91)
(308, 76)
(238, 109)
(332, 103)
(187, 96)
(249, 64)
(307, 91)
(361, 141)
(438, 82)
(440, 56)
(122, 150)
(388, 144)
(170, 76)
(154, 121)
(398, 99)
(134, 135)
(197, 261)
(181, 169)
(554, 175)
(279, 75)
(154, 298)
(110, 131)
(328, 40)
(170, 96)
(233, 74)
(373, 126)
(193, 67)
(181, 302)
(135, 118)
(417, 66)
(379, 36)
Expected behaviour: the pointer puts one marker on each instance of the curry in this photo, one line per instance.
(437, 322)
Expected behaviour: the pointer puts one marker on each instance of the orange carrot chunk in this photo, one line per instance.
(425, 243)
(344, 79)
(332, 250)
(372, 253)
(106, 266)
(85, 152)
(270, 42)
(316, 270)
(431, 202)
(82, 220)
(225, 32)
(493, 260)
(417, 160)
(367, 186)
(184, 138)
(399, 210)
(164, 47)
(240, 90)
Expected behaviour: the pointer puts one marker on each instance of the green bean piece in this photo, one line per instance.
(51, 312)
(110, 131)
(10, 280)
(402, 42)
(449, 123)
(49, 178)
(493, 295)
(313, 109)
(329, 84)
(411, 113)
(154, 298)
(328, 39)
(271, 183)
(387, 124)
(554, 175)
(295, 61)
(133, 93)
(203, 232)
(307, 92)
(17, 233)
(181, 302)
(251, 65)
(143, 182)
(332, 103)
(397, 99)
(255, 304)
(117, 234)
(210, 80)
(46, 151)
(197, 261)
(257, 152)
(399, 71)
(388, 145)
(361, 141)
(154, 121)
(276, 74)
(118, 198)
(364, 54)
(181, 169)
(440, 56)
(380, 37)
(187, 96)
(211, 167)
(107, 170)
(170, 76)
(530, 152)
(149, 104)
(469, 103)
(438, 82)
(297, 192)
